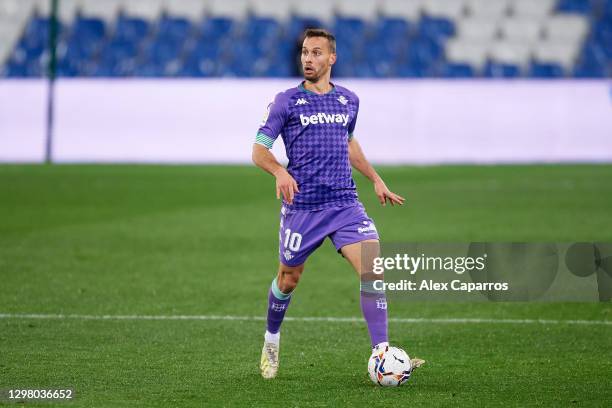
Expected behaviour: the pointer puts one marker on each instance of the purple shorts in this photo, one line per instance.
(301, 232)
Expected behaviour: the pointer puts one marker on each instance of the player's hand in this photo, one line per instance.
(384, 194)
(285, 185)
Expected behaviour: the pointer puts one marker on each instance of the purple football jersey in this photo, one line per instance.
(316, 130)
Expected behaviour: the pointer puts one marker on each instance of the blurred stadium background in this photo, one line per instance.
(441, 81)
(257, 38)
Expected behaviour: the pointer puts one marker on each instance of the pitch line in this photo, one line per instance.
(302, 319)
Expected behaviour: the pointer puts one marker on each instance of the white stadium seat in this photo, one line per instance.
(234, 9)
(494, 9)
(509, 52)
(190, 9)
(477, 29)
(146, 9)
(407, 9)
(533, 8)
(16, 9)
(105, 10)
(473, 53)
(572, 28)
(363, 9)
(561, 53)
(277, 9)
(68, 9)
(451, 9)
(322, 10)
(515, 29)
(10, 31)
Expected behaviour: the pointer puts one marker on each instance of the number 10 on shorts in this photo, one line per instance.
(292, 240)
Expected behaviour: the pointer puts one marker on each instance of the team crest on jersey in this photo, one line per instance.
(301, 101)
(288, 255)
(342, 100)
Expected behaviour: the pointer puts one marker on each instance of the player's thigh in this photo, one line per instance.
(299, 235)
(361, 256)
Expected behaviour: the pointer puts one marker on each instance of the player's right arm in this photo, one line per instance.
(274, 121)
(285, 184)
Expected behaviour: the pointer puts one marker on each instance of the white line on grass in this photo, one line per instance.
(300, 319)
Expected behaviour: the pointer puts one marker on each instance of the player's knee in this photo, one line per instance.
(288, 277)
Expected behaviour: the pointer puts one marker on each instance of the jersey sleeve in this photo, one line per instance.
(273, 122)
(351, 127)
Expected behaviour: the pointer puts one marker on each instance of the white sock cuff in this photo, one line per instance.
(272, 337)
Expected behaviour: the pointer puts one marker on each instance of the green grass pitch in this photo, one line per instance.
(202, 240)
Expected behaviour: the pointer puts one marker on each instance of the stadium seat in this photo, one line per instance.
(449, 9)
(510, 53)
(409, 10)
(436, 28)
(501, 70)
(532, 9)
(192, 10)
(320, 10)
(147, 10)
(462, 52)
(454, 70)
(561, 53)
(576, 6)
(68, 10)
(279, 10)
(365, 10)
(521, 29)
(570, 28)
(489, 9)
(105, 10)
(477, 29)
(545, 70)
(234, 9)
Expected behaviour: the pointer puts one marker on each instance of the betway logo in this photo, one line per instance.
(324, 118)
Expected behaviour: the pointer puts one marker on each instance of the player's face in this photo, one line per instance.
(317, 58)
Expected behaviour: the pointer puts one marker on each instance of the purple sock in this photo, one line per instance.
(374, 309)
(278, 302)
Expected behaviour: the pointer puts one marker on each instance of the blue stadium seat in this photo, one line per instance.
(349, 28)
(118, 58)
(216, 27)
(413, 69)
(424, 51)
(583, 70)
(131, 29)
(577, 6)
(297, 25)
(88, 29)
(500, 70)
(545, 70)
(14, 69)
(453, 70)
(175, 28)
(437, 28)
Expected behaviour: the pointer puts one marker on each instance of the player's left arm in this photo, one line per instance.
(359, 161)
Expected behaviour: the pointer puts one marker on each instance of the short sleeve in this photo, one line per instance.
(351, 127)
(273, 122)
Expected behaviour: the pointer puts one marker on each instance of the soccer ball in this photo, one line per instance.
(389, 367)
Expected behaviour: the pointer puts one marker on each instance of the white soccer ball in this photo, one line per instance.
(389, 367)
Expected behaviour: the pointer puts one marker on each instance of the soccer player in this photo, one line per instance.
(316, 120)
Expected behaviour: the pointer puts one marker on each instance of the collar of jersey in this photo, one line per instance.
(301, 88)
